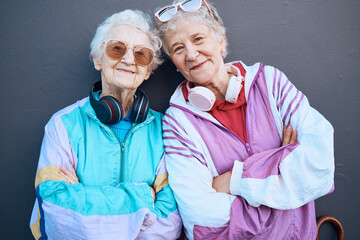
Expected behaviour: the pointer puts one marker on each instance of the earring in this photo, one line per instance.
(177, 70)
(122, 60)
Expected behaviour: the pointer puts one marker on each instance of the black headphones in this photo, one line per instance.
(109, 111)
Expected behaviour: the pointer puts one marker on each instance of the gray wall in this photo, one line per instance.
(44, 67)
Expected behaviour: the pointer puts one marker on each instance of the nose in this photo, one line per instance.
(128, 58)
(191, 53)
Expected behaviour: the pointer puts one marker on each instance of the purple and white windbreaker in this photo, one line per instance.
(272, 186)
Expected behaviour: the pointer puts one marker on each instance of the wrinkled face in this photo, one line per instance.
(195, 52)
(123, 73)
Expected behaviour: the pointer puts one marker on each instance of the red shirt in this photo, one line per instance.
(225, 112)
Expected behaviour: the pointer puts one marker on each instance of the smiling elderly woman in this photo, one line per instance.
(237, 168)
(101, 172)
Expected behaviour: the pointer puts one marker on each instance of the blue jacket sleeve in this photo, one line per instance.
(76, 211)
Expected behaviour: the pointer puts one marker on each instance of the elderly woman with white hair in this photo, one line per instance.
(101, 172)
(237, 168)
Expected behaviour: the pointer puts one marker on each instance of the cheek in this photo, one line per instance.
(142, 72)
(109, 66)
(177, 62)
(108, 72)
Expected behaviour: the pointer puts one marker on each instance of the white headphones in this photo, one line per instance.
(204, 99)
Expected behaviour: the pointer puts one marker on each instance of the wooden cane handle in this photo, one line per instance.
(334, 221)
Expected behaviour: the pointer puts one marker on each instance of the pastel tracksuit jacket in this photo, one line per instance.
(272, 186)
(113, 199)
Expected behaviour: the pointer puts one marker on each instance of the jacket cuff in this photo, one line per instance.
(147, 196)
(236, 177)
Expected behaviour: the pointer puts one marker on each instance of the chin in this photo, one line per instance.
(201, 79)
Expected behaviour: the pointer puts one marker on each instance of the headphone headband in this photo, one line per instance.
(109, 110)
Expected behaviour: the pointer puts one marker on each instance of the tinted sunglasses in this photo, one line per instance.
(117, 49)
(166, 13)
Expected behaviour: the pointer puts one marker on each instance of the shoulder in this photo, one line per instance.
(154, 120)
(71, 108)
(72, 111)
(158, 116)
(252, 70)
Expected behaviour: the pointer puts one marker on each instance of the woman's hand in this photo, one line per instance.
(289, 136)
(153, 193)
(221, 183)
(69, 176)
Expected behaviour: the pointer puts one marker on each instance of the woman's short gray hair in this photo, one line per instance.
(214, 23)
(133, 18)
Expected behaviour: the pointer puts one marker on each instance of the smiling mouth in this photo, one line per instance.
(198, 66)
(125, 71)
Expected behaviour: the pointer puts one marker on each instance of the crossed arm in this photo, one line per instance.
(72, 178)
(221, 183)
(66, 208)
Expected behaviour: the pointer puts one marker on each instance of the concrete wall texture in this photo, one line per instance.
(44, 67)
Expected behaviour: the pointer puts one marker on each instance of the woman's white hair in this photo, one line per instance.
(214, 23)
(133, 18)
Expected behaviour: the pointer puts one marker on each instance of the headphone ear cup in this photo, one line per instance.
(233, 89)
(200, 97)
(235, 83)
(141, 107)
(109, 110)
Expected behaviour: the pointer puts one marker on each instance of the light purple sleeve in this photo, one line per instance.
(293, 175)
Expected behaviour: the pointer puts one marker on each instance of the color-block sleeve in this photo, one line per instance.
(293, 175)
(168, 223)
(199, 204)
(73, 211)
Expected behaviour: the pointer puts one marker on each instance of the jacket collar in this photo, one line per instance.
(177, 99)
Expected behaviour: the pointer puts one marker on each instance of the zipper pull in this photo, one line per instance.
(122, 146)
(247, 145)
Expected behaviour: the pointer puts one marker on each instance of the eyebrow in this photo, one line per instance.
(174, 44)
(195, 34)
(191, 36)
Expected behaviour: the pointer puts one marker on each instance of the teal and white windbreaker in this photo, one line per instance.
(113, 199)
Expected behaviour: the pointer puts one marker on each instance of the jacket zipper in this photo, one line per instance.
(122, 146)
(122, 161)
(122, 150)
(111, 134)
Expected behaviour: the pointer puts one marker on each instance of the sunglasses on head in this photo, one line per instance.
(166, 13)
(117, 49)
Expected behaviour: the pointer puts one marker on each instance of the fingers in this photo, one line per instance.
(73, 172)
(294, 136)
(153, 193)
(289, 135)
(221, 183)
(69, 176)
(287, 131)
(64, 175)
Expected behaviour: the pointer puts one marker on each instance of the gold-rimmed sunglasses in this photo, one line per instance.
(116, 49)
